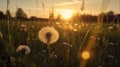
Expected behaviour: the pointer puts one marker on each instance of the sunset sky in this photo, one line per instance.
(40, 8)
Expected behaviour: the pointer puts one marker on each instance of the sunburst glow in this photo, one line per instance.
(66, 13)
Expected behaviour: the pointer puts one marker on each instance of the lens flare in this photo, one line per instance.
(85, 55)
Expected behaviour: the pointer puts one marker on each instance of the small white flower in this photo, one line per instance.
(111, 43)
(67, 44)
(33, 26)
(93, 37)
(23, 25)
(110, 27)
(100, 66)
(23, 49)
(110, 56)
(48, 35)
(98, 38)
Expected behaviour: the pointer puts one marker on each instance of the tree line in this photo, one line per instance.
(19, 15)
(107, 17)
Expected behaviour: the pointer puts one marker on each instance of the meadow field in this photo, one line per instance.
(79, 44)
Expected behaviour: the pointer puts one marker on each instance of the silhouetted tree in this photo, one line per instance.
(59, 18)
(101, 17)
(88, 18)
(20, 14)
(8, 14)
(2, 16)
(33, 18)
(75, 17)
(110, 16)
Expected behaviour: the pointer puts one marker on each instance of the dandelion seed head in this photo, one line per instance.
(48, 35)
(23, 49)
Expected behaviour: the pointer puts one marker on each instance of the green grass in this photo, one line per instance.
(38, 56)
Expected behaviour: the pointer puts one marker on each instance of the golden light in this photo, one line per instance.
(85, 55)
(75, 30)
(66, 13)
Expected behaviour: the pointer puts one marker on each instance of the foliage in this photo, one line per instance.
(104, 53)
(20, 14)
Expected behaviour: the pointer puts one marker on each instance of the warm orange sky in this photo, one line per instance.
(35, 7)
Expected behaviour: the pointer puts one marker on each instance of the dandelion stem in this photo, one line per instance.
(85, 37)
(8, 21)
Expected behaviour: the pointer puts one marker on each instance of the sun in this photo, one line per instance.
(65, 13)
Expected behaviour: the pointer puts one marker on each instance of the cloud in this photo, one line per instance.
(68, 3)
(76, 1)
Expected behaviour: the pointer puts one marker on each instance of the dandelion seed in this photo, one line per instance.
(48, 35)
(23, 49)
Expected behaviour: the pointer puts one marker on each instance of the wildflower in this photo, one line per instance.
(76, 24)
(33, 26)
(100, 66)
(111, 43)
(75, 30)
(117, 25)
(23, 49)
(23, 25)
(93, 37)
(48, 35)
(110, 56)
(98, 38)
(67, 44)
(110, 27)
